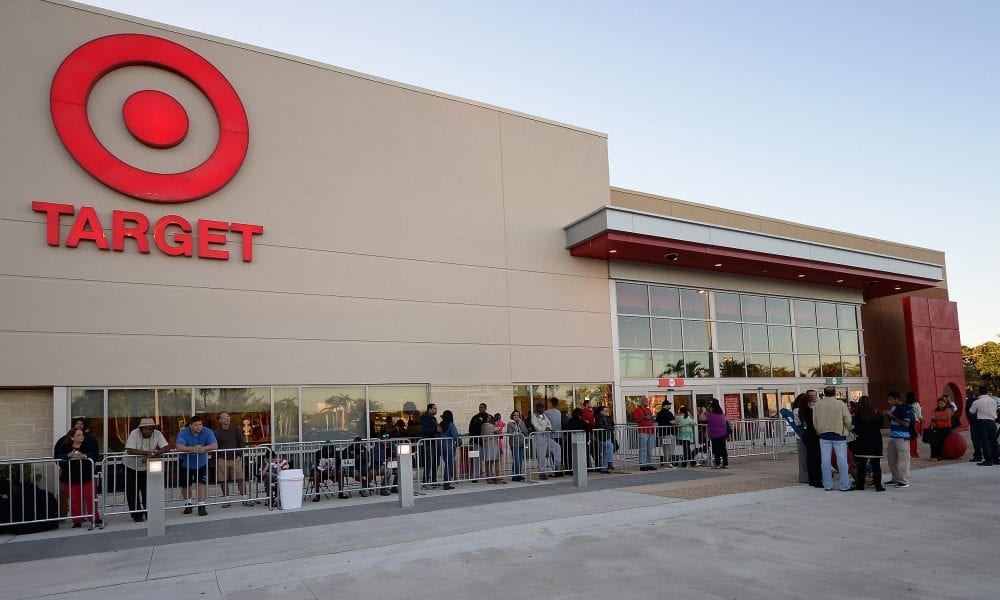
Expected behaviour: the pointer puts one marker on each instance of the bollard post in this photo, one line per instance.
(156, 518)
(405, 476)
(579, 459)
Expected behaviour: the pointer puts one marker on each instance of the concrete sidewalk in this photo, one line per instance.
(625, 537)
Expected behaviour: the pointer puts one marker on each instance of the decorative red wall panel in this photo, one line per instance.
(934, 350)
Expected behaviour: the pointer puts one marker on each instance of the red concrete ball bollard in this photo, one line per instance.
(850, 460)
(955, 445)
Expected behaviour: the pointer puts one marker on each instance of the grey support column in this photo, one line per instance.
(579, 459)
(405, 475)
(156, 518)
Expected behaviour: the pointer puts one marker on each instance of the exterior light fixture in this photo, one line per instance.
(671, 256)
(840, 281)
(718, 264)
(612, 251)
(801, 275)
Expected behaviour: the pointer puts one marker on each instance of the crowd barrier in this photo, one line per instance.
(40, 492)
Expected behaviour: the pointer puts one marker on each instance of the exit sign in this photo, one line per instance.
(834, 380)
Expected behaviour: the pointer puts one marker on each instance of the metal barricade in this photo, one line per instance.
(549, 454)
(756, 437)
(37, 493)
(491, 458)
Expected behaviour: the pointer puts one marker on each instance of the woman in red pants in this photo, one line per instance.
(78, 472)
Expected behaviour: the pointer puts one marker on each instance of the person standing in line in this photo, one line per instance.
(555, 417)
(800, 440)
(939, 428)
(229, 464)
(685, 435)
(811, 439)
(718, 431)
(491, 451)
(606, 440)
(833, 422)
(83, 424)
(143, 443)
(916, 425)
(868, 424)
(647, 436)
(449, 441)
(666, 424)
(196, 441)
(545, 446)
(78, 474)
(476, 430)
(517, 430)
(977, 450)
(429, 444)
(900, 416)
(985, 411)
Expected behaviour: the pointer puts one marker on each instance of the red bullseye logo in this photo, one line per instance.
(152, 117)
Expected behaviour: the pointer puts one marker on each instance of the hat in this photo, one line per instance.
(147, 422)
(540, 405)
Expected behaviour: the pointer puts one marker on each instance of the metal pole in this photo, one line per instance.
(405, 466)
(156, 517)
(579, 459)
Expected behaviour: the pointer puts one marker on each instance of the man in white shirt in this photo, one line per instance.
(143, 442)
(985, 426)
(545, 446)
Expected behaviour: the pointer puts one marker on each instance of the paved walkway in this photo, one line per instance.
(628, 536)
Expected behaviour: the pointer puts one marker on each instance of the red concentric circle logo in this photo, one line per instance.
(152, 117)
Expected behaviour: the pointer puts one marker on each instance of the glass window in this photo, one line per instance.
(249, 407)
(667, 333)
(561, 391)
(751, 408)
(633, 332)
(808, 365)
(805, 312)
(339, 413)
(755, 338)
(727, 307)
(831, 366)
(599, 394)
(847, 316)
(696, 335)
(632, 299)
(698, 364)
(636, 364)
(90, 405)
(753, 308)
(668, 364)
(806, 340)
(852, 366)
(523, 401)
(730, 336)
(126, 407)
(664, 301)
(849, 342)
(782, 365)
(758, 365)
(778, 312)
(406, 402)
(694, 304)
(781, 339)
(829, 341)
(826, 314)
(286, 414)
(732, 365)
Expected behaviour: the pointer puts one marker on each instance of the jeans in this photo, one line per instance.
(545, 448)
(719, 452)
(607, 459)
(448, 457)
(430, 459)
(517, 454)
(646, 441)
(840, 447)
(898, 453)
(686, 449)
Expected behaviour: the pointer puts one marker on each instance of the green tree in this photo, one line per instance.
(982, 365)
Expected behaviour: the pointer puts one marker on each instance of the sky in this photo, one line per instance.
(880, 119)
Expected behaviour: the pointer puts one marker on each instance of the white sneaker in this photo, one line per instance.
(669, 466)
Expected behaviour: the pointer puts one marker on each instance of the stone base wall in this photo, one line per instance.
(26, 423)
(464, 401)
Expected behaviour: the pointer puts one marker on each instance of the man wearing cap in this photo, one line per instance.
(197, 441)
(666, 424)
(143, 442)
(545, 446)
(647, 436)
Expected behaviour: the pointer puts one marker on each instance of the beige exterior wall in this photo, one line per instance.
(26, 423)
(682, 209)
(409, 236)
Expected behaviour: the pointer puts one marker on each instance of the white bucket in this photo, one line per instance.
(290, 488)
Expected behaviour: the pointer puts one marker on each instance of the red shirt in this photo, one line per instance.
(588, 416)
(644, 417)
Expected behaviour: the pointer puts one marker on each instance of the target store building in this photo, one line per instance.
(189, 224)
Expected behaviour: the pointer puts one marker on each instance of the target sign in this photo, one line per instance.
(152, 117)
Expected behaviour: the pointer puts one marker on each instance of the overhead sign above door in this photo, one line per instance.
(672, 382)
